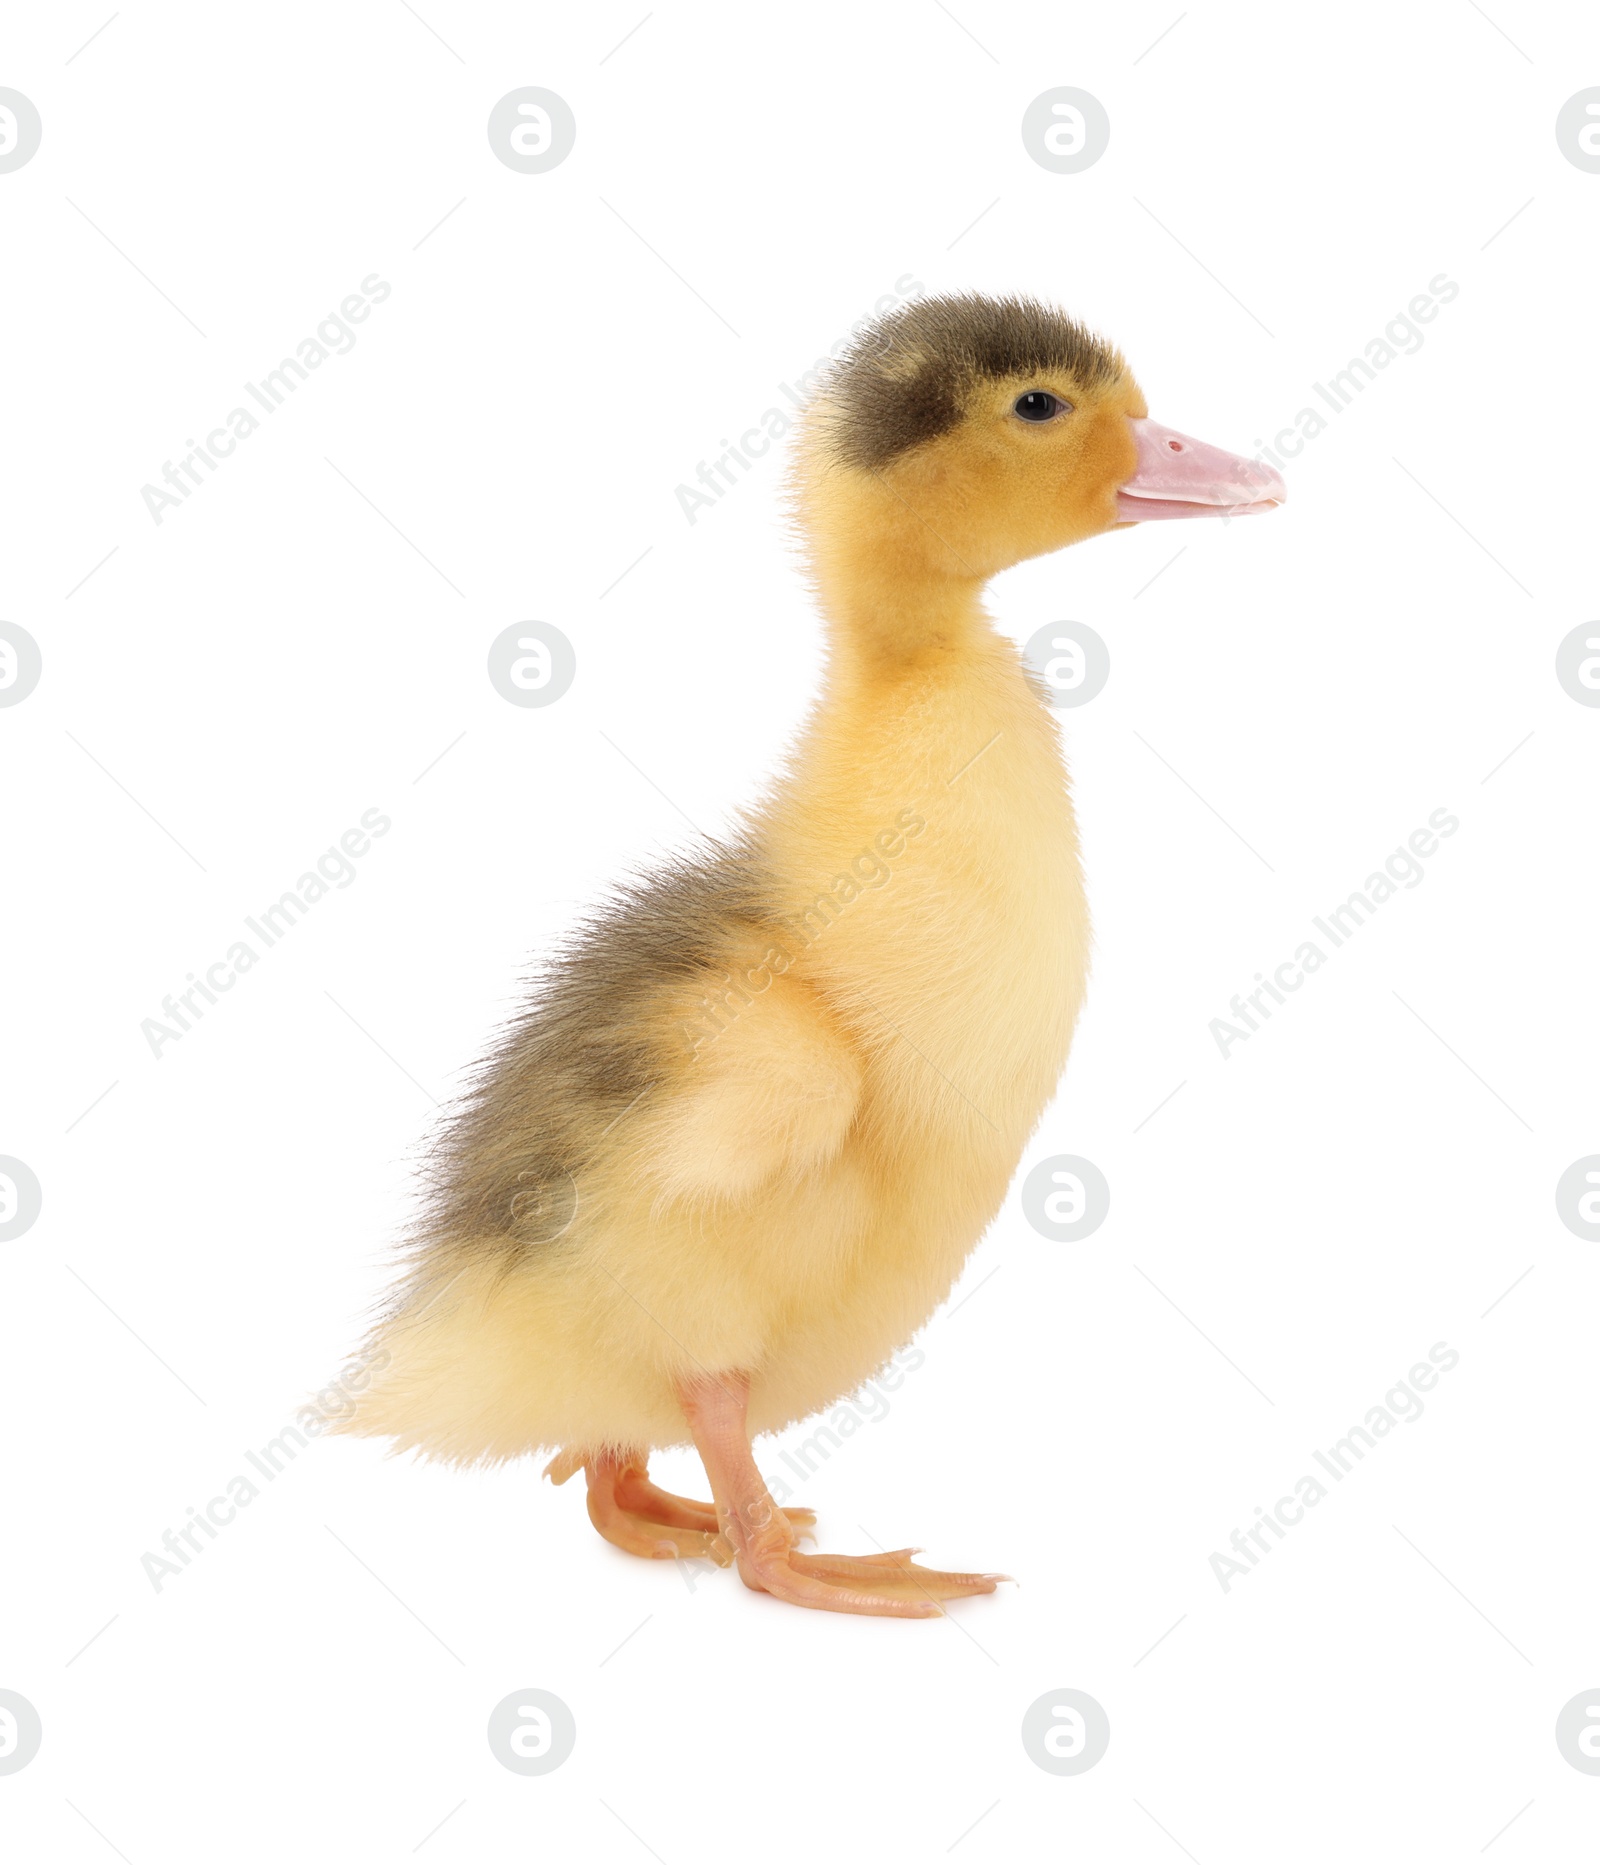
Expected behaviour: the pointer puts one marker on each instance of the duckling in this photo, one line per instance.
(738, 1146)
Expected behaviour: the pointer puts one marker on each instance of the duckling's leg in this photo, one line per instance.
(763, 1543)
(631, 1513)
(639, 1534)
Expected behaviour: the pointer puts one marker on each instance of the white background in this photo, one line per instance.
(1293, 1229)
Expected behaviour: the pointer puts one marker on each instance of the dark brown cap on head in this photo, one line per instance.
(904, 380)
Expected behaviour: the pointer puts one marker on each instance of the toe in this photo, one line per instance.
(639, 1496)
(897, 1576)
(795, 1585)
(889, 1585)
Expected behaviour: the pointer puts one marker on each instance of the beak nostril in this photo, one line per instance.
(1180, 477)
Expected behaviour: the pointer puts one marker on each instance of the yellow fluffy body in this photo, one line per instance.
(797, 1187)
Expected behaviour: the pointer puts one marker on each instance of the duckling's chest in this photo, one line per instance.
(963, 955)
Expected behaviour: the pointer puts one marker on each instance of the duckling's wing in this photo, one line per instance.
(769, 1095)
(668, 1040)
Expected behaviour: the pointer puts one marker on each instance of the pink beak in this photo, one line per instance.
(1178, 477)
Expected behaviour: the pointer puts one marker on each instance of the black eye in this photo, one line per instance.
(1039, 405)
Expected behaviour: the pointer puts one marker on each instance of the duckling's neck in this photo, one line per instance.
(888, 620)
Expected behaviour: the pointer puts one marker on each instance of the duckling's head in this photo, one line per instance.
(963, 434)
